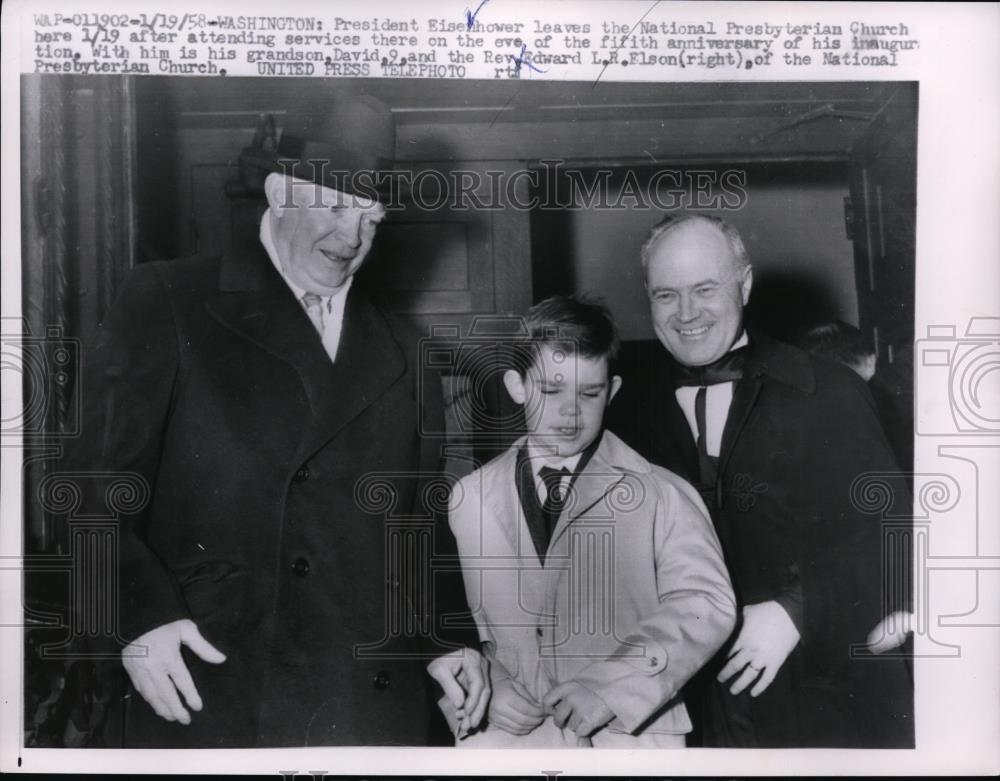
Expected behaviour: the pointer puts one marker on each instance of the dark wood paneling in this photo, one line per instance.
(883, 196)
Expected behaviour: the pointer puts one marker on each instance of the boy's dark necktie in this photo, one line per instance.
(556, 484)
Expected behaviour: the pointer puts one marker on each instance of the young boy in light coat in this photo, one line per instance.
(595, 578)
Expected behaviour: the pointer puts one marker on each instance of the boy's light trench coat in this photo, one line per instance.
(632, 600)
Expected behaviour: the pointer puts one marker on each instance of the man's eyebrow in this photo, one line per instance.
(593, 385)
(700, 283)
(371, 208)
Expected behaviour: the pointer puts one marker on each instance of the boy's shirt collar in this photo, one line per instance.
(573, 465)
(540, 457)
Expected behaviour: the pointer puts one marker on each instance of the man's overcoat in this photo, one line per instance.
(291, 508)
(805, 478)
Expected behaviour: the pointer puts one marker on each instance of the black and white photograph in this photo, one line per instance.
(436, 380)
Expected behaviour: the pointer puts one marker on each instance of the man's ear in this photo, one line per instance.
(616, 384)
(275, 192)
(747, 283)
(515, 386)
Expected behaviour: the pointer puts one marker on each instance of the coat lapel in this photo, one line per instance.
(745, 395)
(256, 303)
(670, 420)
(507, 507)
(599, 477)
(605, 472)
(369, 361)
(768, 361)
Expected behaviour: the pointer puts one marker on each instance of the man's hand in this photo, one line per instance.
(464, 676)
(765, 641)
(153, 661)
(513, 709)
(890, 632)
(574, 704)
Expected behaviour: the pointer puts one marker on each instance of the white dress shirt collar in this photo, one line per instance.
(540, 458)
(718, 399)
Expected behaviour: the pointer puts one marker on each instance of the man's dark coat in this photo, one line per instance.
(795, 527)
(290, 510)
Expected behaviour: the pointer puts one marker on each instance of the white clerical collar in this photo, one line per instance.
(272, 253)
(718, 399)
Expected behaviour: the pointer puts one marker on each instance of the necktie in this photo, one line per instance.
(707, 465)
(728, 368)
(554, 486)
(555, 493)
(314, 308)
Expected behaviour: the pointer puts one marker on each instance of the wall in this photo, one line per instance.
(792, 223)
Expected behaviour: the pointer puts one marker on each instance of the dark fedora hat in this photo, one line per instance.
(348, 147)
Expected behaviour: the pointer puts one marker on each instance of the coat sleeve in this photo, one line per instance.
(695, 615)
(856, 566)
(856, 510)
(451, 627)
(464, 511)
(127, 378)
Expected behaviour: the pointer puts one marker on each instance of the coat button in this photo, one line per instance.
(301, 474)
(300, 567)
(381, 680)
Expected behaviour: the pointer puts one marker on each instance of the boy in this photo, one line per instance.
(595, 578)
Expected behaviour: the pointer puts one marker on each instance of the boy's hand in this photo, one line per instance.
(464, 676)
(513, 709)
(765, 641)
(574, 704)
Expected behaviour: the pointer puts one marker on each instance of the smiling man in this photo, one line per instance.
(774, 439)
(261, 601)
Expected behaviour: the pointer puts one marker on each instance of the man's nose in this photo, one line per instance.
(687, 310)
(349, 231)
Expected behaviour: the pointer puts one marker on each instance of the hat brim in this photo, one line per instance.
(364, 178)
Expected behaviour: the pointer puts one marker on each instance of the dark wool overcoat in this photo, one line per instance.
(292, 510)
(810, 512)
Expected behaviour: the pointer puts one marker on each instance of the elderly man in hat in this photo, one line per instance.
(267, 589)
(780, 444)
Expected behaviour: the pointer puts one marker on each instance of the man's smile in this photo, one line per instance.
(693, 333)
(333, 257)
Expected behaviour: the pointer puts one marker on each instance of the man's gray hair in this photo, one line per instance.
(672, 221)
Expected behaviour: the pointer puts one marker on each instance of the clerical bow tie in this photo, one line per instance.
(728, 368)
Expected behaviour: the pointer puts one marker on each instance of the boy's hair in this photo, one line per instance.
(579, 325)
